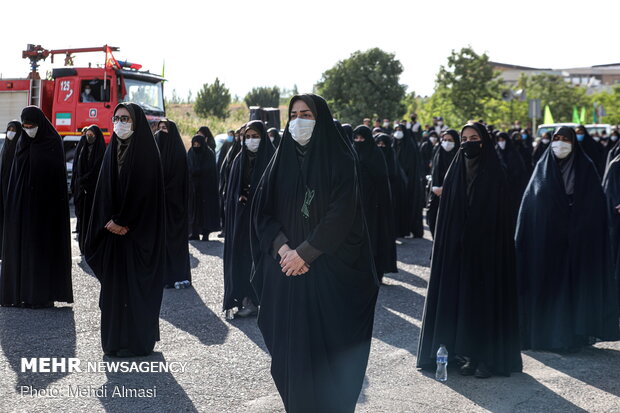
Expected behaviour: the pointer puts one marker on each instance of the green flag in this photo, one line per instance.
(548, 119)
(594, 117)
(582, 118)
(575, 115)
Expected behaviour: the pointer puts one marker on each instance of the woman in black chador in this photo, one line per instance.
(36, 248)
(516, 172)
(566, 289)
(314, 274)
(397, 177)
(471, 305)
(409, 158)
(176, 183)
(204, 199)
(450, 143)
(377, 200)
(126, 240)
(13, 132)
(611, 184)
(86, 172)
(247, 169)
(224, 172)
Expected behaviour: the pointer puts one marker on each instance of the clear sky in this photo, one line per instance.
(283, 43)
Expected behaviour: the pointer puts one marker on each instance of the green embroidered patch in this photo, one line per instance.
(307, 201)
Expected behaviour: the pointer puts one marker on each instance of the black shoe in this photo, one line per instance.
(124, 353)
(468, 369)
(482, 372)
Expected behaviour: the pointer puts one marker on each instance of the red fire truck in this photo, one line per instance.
(73, 97)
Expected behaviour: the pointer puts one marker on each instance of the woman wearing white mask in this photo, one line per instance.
(126, 239)
(314, 274)
(567, 293)
(450, 143)
(36, 256)
(246, 171)
(13, 131)
(516, 173)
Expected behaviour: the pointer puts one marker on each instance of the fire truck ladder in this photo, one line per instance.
(35, 92)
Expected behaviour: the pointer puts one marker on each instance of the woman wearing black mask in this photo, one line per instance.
(204, 200)
(377, 201)
(567, 294)
(176, 183)
(126, 239)
(450, 143)
(13, 132)
(36, 249)
(208, 135)
(87, 166)
(471, 305)
(247, 169)
(314, 273)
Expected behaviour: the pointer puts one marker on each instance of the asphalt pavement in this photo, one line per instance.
(227, 366)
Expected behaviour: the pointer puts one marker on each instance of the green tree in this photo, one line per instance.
(364, 85)
(266, 97)
(213, 100)
(553, 90)
(468, 82)
(611, 103)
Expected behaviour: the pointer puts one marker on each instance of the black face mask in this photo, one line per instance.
(472, 149)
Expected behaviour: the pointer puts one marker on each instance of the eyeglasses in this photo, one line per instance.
(121, 119)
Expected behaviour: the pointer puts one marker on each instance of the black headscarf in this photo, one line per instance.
(593, 150)
(318, 203)
(398, 179)
(567, 292)
(377, 200)
(204, 197)
(516, 173)
(86, 172)
(348, 130)
(246, 172)
(540, 149)
(277, 137)
(611, 185)
(36, 256)
(6, 161)
(525, 149)
(129, 267)
(206, 132)
(471, 304)
(176, 183)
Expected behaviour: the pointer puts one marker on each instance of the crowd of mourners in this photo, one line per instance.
(526, 235)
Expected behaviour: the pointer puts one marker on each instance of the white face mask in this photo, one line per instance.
(271, 138)
(87, 91)
(386, 124)
(32, 132)
(399, 134)
(502, 145)
(447, 145)
(252, 144)
(10, 135)
(301, 130)
(123, 130)
(545, 141)
(433, 140)
(614, 138)
(409, 125)
(561, 149)
(440, 123)
(596, 139)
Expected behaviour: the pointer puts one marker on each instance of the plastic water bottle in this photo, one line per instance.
(177, 285)
(442, 363)
(186, 284)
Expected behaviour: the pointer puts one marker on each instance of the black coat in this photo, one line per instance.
(129, 267)
(377, 201)
(6, 161)
(471, 304)
(87, 165)
(246, 172)
(176, 183)
(204, 199)
(317, 326)
(36, 255)
(566, 290)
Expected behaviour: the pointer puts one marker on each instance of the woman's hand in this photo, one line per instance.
(116, 229)
(292, 263)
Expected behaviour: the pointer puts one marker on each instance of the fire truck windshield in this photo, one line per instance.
(148, 95)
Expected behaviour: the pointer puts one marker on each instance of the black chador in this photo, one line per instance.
(409, 158)
(247, 170)
(397, 177)
(471, 305)
(441, 162)
(204, 200)
(86, 172)
(592, 149)
(377, 200)
(36, 248)
(516, 173)
(176, 183)
(6, 161)
(540, 149)
(317, 325)
(130, 267)
(611, 184)
(566, 288)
